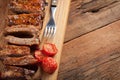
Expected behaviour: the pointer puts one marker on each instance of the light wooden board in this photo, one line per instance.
(61, 17)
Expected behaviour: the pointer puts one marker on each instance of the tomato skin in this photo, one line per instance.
(49, 49)
(39, 56)
(49, 65)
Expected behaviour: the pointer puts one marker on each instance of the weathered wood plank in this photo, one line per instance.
(95, 51)
(88, 15)
(106, 71)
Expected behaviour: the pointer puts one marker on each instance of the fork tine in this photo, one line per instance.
(48, 31)
(54, 31)
(51, 32)
(45, 32)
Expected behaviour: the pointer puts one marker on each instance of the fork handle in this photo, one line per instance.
(53, 9)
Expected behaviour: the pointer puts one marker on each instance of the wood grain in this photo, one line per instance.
(88, 15)
(61, 18)
(94, 56)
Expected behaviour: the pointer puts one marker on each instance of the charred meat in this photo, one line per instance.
(20, 61)
(25, 26)
(22, 35)
(22, 41)
(22, 30)
(12, 50)
(16, 73)
(24, 22)
(27, 6)
(28, 19)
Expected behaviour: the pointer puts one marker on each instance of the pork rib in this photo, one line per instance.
(12, 50)
(25, 26)
(28, 19)
(22, 35)
(22, 41)
(23, 30)
(19, 61)
(16, 73)
(27, 6)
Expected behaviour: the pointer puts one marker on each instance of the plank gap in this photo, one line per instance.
(79, 24)
(90, 31)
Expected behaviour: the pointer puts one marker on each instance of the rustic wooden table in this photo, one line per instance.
(92, 43)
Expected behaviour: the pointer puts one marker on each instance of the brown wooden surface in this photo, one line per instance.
(89, 15)
(92, 42)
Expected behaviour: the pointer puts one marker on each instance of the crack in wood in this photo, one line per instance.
(90, 31)
(84, 23)
(95, 5)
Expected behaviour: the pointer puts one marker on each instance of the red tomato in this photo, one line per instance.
(49, 49)
(49, 65)
(39, 56)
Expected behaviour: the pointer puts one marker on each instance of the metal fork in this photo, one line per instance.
(50, 29)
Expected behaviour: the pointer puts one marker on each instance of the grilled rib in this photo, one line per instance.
(19, 61)
(27, 6)
(12, 50)
(22, 30)
(16, 73)
(25, 26)
(22, 35)
(28, 19)
(22, 41)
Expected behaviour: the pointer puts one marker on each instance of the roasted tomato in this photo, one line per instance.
(39, 56)
(49, 65)
(49, 49)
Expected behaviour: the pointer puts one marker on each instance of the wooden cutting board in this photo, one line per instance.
(61, 18)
